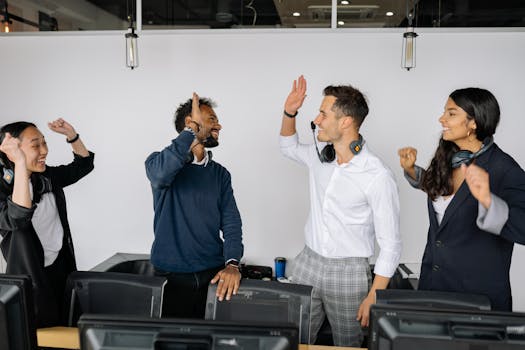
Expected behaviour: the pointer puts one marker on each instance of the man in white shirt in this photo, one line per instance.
(353, 201)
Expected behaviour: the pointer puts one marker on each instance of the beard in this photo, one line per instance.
(210, 142)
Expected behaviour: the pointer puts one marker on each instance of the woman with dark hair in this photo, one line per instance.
(36, 239)
(476, 202)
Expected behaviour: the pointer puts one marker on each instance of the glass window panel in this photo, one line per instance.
(370, 14)
(212, 14)
(64, 15)
(68, 15)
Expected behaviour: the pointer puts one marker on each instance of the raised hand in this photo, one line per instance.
(62, 127)
(196, 115)
(477, 180)
(295, 99)
(407, 158)
(11, 147)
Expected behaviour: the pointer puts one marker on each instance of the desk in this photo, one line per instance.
(67, 338)
(58, 337)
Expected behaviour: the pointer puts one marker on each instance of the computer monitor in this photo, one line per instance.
(106, 332)
(17, 316)
(264, 301)
(396, 327)
(436, 299)
(113, 293)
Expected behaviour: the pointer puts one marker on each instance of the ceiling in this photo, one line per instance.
(169, 14)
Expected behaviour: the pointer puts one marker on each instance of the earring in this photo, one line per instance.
(468, 133)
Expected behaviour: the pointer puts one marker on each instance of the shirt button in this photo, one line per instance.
(439, 244)
(435, 267)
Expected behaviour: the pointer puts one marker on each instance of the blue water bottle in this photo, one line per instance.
(280, 267)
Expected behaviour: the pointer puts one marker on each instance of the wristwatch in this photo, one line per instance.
(190, 130)
(234, 263)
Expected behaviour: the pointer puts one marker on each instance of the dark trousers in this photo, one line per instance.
(56, 274)
(185, 293)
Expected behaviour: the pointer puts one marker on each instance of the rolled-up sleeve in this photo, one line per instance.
(494, 218)
(293, 149)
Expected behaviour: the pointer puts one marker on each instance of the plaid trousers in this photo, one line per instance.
(339, 287)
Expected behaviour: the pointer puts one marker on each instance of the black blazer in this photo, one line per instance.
(21, 246)
(461, 257)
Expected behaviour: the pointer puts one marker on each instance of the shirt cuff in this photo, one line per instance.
(416, 183)
(288, 141)
(494, 218)
(386, 263)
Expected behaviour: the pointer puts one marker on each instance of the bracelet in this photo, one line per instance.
(190, 130)
(198, 125)
(73, 139)
(290, 115)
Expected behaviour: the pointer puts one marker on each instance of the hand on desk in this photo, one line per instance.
(228, 281)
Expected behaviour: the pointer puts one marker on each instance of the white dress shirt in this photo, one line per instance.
(351, 205)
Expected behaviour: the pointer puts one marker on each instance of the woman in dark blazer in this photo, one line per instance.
(476, 202)
(36, 238)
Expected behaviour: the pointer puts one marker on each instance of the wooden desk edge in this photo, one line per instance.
(58, 337)
(68, 338)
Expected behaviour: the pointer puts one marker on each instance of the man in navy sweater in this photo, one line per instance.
(193, 202)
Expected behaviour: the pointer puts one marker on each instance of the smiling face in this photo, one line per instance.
(327, 121)
(210, 122)
(34, 146)
(457, 127)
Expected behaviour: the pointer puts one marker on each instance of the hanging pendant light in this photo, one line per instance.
(6, 22)
(132, 53)
(408, 58)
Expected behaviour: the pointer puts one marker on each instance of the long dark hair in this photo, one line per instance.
(480, 105)
(14, 129)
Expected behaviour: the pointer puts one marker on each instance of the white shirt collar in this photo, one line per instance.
(204, 160)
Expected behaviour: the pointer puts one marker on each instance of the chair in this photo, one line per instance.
(433, 299)
(264, 301)
(113, 293)
(138, 264)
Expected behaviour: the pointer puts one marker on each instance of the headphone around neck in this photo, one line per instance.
(327, 154)
(467, 157)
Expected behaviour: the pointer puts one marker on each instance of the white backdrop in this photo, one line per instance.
(124, 115)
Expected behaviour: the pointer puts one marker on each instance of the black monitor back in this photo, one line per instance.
(107, 332)
(114, 293)
(435, 299)
(264, 301)
(396, 327)
(17, 316)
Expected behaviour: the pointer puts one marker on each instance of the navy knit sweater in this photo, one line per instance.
(193, 204)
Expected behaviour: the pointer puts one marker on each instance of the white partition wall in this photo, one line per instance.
(123, 115)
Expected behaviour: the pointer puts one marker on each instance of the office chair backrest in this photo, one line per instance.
(113, 293)
(264, 301)
(434, 299)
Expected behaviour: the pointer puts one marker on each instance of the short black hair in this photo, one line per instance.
(184, 110)
(349, 101)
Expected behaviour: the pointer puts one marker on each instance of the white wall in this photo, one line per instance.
(124, 115)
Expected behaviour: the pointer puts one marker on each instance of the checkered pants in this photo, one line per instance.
(339, 287)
